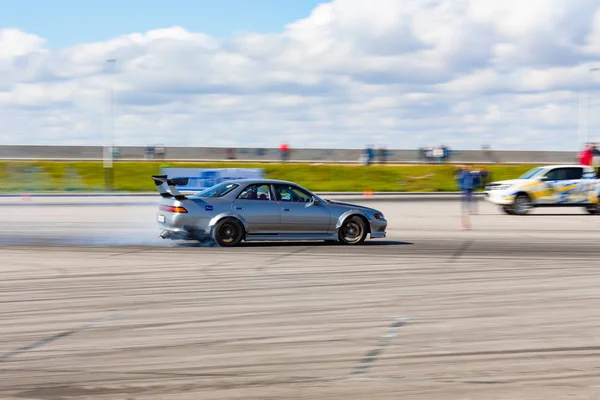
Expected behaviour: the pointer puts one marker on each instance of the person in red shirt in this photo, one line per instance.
(284, 151)
(586, 156)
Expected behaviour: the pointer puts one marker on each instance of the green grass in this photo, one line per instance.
(49, 176)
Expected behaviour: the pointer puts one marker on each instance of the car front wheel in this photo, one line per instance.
(228, 233)
(508, 210)
(593, 209)
(353, 231)
(522, 204)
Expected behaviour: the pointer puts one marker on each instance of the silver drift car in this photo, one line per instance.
(261, 210)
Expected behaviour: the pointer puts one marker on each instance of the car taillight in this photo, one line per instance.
(378, 216)
(172, 209)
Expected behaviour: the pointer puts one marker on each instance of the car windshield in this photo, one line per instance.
(219, 190)
(531, 173)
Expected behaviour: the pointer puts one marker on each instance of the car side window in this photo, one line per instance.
(565, 174)
(256, 192)
(291, 193)
(557, 174)
(301, 195)
(574, 173)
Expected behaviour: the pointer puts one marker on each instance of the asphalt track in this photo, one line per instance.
(94, 305)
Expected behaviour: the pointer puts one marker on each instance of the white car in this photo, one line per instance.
(548, 186)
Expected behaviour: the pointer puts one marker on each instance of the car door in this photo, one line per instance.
(589, 185)
(259, 207)
(561, 185)
(574, 188)
(299, 215)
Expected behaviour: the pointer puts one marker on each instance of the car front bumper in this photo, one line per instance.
(378, 227)
(499, 197)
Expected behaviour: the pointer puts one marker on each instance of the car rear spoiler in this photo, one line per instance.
(170, 191)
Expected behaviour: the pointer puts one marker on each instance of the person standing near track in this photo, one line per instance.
(586, 156)
(595, 157)
(465, 180)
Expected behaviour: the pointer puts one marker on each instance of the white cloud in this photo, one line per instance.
(14, 43)
(399, 73)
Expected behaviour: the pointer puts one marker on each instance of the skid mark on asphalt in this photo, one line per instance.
(283, 256)
(207, 269)
(61, 335)
(206, 379)
(234, 378)
(366, 362)
(124, 253)
(461, 250)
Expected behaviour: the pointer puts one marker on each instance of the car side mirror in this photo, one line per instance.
(314, 202)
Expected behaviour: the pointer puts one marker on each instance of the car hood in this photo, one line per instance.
(350, 205)
(510, 182)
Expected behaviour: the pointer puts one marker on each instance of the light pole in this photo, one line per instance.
(109, 150)
(589, 108)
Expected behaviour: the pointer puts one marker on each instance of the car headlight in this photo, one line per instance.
(497, 187)
(378, 216)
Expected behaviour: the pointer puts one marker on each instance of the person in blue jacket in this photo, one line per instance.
(467, 182)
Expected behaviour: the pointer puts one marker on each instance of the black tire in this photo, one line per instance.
(522, 204)
(228, 232)
(593, 209)
(353, 231)
(508, 210)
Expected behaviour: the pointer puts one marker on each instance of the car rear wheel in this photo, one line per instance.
(522, 204)
(353, 231)
(593, 209)
(228, 233)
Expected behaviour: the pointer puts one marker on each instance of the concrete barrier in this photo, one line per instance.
(212, 154)
(88, 199)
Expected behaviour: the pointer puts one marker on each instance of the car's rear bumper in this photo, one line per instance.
(175, 235)
(179, 227)
(183, 234)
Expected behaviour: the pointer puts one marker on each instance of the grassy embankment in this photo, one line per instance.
(48, 176)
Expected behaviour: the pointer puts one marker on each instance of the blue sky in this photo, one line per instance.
(69, 22)
(395, 73)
